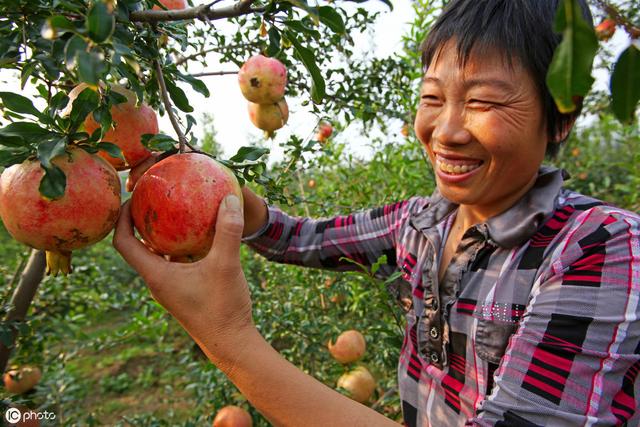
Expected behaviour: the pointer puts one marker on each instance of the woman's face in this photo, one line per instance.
(483, 128)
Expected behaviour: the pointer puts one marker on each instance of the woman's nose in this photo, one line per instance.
(449, 127)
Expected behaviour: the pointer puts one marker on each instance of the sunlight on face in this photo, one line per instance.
(483, 128)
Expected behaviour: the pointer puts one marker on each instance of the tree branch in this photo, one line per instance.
(214, 73)
(203, 52)
(167, 106)
(204, 12)
(614, 13)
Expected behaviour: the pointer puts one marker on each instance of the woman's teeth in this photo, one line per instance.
(450, 168)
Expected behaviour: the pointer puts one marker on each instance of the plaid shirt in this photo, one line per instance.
(534, 323)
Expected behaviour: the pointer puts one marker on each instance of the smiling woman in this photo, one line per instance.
(521, 296)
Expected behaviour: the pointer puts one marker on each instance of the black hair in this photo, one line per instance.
(520, 29)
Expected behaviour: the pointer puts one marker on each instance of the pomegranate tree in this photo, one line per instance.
(232, 416)
(130, 122)
(349, 347)
(175, 204)
(85, 214)
(262, 80)
(269, 117)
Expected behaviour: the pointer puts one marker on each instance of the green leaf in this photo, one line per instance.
(625, 84)
(87, 101)
(308, 59)
(332, 19)
(74, 46)
(24, 130)
(27, 70)
(569, 74)
(112, 149)
(100, 23)
(274, 42)
(197, 84)
(91, 67)
(13, 156)
(178, 96)
(158, 142)
(50, 149)
(19, 104)
(53, 183)
(249, 153)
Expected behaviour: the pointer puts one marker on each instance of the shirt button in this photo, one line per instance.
(434, 357)
(434, 332)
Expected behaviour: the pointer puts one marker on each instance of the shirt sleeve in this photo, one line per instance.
(362, 237)
(575, 357)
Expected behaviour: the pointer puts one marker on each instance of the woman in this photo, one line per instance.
(524, 295)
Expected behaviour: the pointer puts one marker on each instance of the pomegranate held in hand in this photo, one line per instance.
(84, 215)
(269, 117)
(359, 383)
(175, 204)
(349, 347)
(232, 416)
(262, 80)
(130, 122)
(22, 379)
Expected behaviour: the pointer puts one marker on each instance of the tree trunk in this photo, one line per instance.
(21, 300)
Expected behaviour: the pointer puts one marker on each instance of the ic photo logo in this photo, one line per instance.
(25, 415)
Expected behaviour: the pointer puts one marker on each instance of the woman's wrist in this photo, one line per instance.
(229, 349)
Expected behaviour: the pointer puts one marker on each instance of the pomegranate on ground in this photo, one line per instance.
(84, 215)
(349, 347)
(262, 80)
(359, 383)
(175, 204)
(269, 117)
(130, 122)
(232, 416)
(19, 380)
(171, 4)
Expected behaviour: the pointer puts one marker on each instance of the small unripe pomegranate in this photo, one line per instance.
(311, 183)
(359, 383)
(349, 347)
(84, 215)
(324, 131)
(175, 204)
(171, 4)
(19, 380)
(606, 29)
(405, 130)
(232, 416)
(130, 122)
(269, 117)
(262, 80)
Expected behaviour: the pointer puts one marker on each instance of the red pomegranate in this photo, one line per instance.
(263, 80)
(21, 379)
(606, 29)
(84, 215)
(349, 347)
(172, 4)
(269, 117)
(130, 122)
(175, 204)
(324, 131)
(232, 416)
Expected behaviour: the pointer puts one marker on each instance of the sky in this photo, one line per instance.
(229, 108)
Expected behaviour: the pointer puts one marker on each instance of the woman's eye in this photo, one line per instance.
(481, 102)
(430, 99)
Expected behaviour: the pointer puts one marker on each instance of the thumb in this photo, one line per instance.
(225, 250)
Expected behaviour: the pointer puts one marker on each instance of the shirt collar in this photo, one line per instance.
(513, 226)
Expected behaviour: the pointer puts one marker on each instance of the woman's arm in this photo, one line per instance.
(210, 298)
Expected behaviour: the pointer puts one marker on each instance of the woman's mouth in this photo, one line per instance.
(456, 166)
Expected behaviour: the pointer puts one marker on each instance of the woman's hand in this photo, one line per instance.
(210, 297)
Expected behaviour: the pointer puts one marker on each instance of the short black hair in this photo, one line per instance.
(520, 29)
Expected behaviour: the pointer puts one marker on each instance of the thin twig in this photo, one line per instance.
(214, 73)
(213, 49)
(167, 106)
(204, 12)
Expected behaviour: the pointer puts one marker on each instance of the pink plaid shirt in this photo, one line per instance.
(536, 319)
